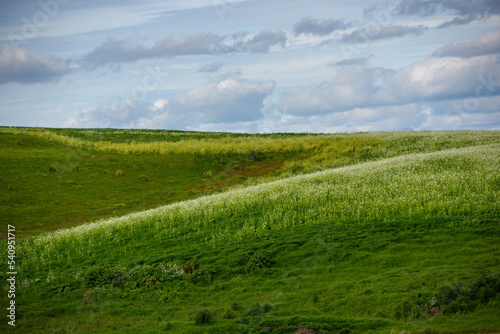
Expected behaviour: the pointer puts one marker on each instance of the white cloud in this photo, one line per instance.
(432, 79)
(227, 101)
(442, 78)
(159, 105)
(122, 114)
(352, 86)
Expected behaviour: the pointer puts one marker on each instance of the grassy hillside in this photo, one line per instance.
(53, 178)
(395, 233)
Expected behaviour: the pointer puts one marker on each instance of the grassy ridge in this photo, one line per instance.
(100, 173)
(169, 142)
(382, 246)
(462, 183)
(86, 184)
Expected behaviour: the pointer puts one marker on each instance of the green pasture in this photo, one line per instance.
(350, 233)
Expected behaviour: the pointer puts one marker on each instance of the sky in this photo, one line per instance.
(254, 66)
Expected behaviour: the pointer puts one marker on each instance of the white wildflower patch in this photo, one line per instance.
(456, 182)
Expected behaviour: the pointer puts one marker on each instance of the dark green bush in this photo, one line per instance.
(453, 298)
(236, 307)
(255, 310)
(461, 304)
(240, 260)
(260, 259)
(253, 155)
(267, 308)
(203, 316)
(98, 276)
(449, 293)
(258, 309)
(229, 313)
(191, 266)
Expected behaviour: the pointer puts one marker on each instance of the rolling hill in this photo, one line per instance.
(390, 232)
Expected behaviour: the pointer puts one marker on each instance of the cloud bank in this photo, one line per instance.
(320, 28)
(465, 11)
(114, 51)
(228, 100)
(24, 65)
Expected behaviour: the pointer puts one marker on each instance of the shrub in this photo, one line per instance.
(453, 298)
(191, 266)
(240, 261)
(253, 155)
(461, 304)
(258, 309)
(267, 308)
(261, 259)
(255, 310)
(98, 276)
(48, 312)
(203, 316)
(229, 313)
(236, 307)
(87, 296)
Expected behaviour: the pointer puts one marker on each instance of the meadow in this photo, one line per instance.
(390, 232)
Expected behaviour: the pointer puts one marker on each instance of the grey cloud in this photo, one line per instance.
(377, 32)
(24, 65)
(122, 114)
(320, 28)
(202, 44)
(489, 43)
(261, 42)
(211, 68)
(350, 62)
(115, 52)
(414, 7)
(465, 11)
(469, 11)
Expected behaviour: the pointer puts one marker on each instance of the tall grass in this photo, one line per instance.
(458, 182)
(324, 145)
(222, 145)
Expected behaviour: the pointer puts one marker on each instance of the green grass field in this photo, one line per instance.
(183, 232)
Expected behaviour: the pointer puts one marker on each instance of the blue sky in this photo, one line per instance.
(251, 65)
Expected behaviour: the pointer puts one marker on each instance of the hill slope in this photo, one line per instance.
(53, 178)
(403, 243)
